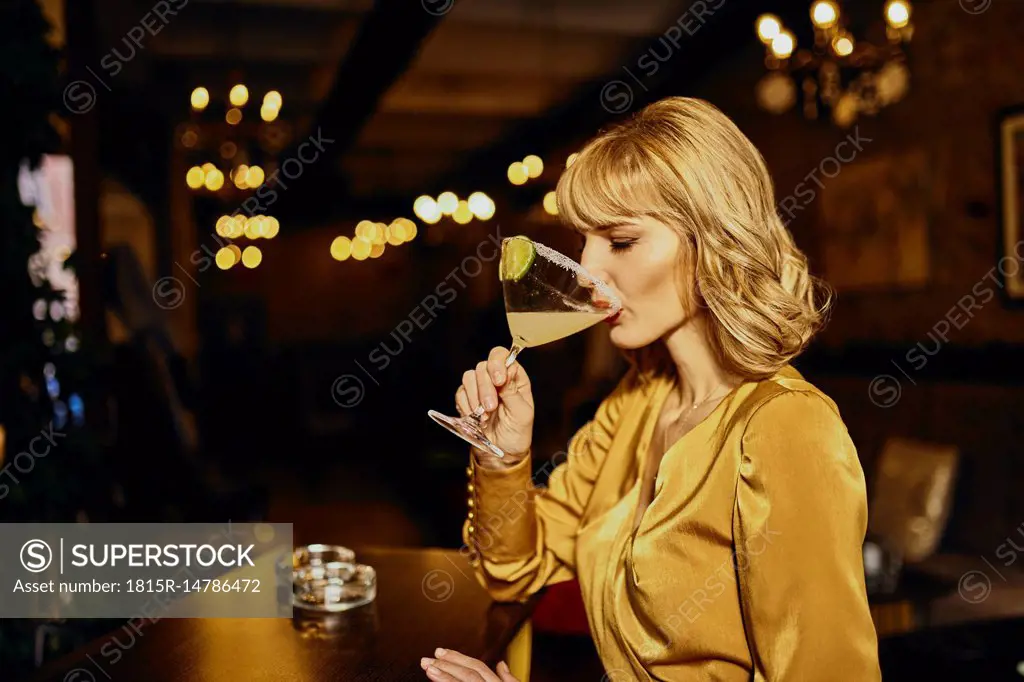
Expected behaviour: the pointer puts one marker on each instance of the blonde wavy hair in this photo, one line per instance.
(683, 162)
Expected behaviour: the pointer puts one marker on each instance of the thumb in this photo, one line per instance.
(504, 673)
(517, 381)
(515, 394)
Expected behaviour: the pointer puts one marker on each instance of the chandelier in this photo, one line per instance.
(241, 145)
(232, 152)
(839, 76)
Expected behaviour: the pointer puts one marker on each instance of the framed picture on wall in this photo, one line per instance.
(1011, 193)
(876, 215)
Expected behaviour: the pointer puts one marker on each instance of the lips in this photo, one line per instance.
(612, 319)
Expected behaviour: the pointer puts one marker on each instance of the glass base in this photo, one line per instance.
(468, 430)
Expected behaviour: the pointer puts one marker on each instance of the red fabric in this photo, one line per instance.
(561, 611)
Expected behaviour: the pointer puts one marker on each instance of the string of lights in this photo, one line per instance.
(238, 172)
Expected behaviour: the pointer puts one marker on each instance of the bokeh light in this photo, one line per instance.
(426, 209)
(462, 214)
(252, 256)
(225, 258)
(517, 173)
(239, 95)
(195, 177)
(534, 165)
(341, 248)
(361, 248)
(551, 203)
(447, 202)
(200, 98)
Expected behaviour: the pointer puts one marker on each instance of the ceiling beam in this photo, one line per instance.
(298, 38)
(632, 18)
(384, 47)
(290, 5)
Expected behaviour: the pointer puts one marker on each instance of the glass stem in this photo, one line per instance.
(513, 354)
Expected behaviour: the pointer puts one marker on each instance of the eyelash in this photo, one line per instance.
(619, 247)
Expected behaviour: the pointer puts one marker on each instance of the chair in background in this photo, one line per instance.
(909, 510)
(913, 495)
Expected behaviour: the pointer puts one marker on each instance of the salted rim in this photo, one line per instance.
(569, 264)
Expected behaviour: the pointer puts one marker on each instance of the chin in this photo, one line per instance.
(621, 338)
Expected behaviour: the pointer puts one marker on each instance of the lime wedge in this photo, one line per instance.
(517, 256)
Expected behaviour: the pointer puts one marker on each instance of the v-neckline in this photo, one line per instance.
(657, 403)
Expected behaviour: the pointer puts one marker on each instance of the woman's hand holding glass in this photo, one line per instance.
(506, 400)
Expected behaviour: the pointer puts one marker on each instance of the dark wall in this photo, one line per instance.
(969, 391)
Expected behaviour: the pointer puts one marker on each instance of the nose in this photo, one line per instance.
(595, 268)
(591, 262)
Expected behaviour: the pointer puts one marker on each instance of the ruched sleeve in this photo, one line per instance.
(798, 525)
(524, 537)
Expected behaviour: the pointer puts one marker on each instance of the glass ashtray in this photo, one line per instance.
(318, 555)
(327, 579)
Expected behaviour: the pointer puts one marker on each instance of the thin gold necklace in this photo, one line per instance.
(679, 419)
(694, 406)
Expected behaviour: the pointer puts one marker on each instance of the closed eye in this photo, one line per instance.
(622, 245)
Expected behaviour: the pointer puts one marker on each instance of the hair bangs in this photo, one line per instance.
(611, 182)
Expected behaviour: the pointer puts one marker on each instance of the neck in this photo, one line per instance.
(701, 375)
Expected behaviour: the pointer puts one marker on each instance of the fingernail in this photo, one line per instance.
(498, 376)
(490, 403)
(439, 652)
(502, 667)
(426, 662)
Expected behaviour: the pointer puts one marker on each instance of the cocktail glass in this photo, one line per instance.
(548, 296)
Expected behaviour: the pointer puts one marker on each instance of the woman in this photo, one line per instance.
(714, 509)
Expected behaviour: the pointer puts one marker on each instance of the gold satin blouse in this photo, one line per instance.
(747, 563)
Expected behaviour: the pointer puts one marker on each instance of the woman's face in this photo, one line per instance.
(639, 260)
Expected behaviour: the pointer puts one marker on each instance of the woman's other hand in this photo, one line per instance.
(451, 666)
